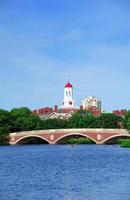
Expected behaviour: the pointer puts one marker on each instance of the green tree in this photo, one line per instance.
(128, 124)
(5, 122)
(24, 120)
(109, 120)
(79, 119)
(54, 124)
(5, 125)
(89, 121)
(127, 120)
(127, 114)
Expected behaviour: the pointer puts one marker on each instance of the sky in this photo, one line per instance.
(45, 43)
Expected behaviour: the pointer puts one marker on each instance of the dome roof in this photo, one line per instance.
(68, 85)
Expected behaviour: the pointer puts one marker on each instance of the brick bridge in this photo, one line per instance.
(99, 136)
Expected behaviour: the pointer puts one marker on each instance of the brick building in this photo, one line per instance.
(68, 107)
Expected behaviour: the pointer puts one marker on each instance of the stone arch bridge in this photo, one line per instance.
(99, 136)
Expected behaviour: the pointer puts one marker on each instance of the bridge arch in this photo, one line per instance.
(74, 134)
(114, 137)
(25, 138)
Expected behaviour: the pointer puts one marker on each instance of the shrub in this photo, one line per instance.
(124, 143)
(80, 140)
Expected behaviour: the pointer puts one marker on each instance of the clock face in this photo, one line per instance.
(70, 103)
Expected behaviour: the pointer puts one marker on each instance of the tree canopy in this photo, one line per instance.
(127, 120)
(22, 119)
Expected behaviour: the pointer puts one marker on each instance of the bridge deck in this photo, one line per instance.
(79, 130)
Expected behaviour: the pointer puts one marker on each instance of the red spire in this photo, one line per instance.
(68, 85)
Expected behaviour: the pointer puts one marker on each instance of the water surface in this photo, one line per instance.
(60, 172)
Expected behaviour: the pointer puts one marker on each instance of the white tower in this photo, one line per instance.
(68, 101)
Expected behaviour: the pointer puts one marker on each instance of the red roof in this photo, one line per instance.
(68, 85)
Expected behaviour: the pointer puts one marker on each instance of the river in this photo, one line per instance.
(61, 172)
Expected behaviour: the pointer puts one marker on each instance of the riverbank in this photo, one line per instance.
(80, 140)
(124, 143)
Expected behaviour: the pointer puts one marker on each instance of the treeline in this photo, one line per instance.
(22, 119)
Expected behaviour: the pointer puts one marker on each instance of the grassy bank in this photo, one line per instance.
(80, 140)
(124, 143)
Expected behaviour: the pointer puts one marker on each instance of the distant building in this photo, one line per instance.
(44, 113)
(92, 104)
(50, 113)
(68, 107)
(65, 111)
(91, 101)
(59, 115)
(120, 113)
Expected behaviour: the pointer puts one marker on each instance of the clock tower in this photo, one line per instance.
(68, 101)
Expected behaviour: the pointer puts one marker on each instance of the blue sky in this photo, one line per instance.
(44, 43)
